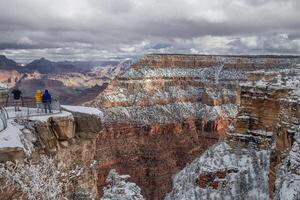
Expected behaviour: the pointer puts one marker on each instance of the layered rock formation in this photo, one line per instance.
(267, 122)
(167, 109)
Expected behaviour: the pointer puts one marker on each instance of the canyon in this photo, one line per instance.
(181, 127)
(70, 82)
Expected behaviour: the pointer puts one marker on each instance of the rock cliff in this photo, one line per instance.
(266, 124)
(57, 152)
(168, 109)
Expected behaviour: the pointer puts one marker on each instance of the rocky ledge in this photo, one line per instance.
(56, 151)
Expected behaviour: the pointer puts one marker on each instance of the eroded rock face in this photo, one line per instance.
(167, 109)
(223, 172)
(70, 141)
(269, 117)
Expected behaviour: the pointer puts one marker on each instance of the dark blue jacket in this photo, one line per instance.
(46, 98)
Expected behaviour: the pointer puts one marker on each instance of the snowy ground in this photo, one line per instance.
(249, 181)
(31, 112)
(82, 109)
(10, 137)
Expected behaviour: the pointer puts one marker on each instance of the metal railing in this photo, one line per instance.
(28, 107)
(3, 119)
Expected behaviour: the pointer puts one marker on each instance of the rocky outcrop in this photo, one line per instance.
(70, 141)
(120, 188)
(223, 172)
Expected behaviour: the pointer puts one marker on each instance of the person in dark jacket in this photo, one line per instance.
(17, 97)
(46, 99)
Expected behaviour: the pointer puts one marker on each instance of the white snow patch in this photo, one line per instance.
(10, 137)
(288, 174)
(45, 118)
(84, 110)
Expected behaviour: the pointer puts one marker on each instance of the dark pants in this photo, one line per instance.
(47, 106)
(17, 103)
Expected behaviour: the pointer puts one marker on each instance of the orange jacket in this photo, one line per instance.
(38, 96)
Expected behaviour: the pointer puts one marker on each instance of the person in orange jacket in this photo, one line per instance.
(38, 100)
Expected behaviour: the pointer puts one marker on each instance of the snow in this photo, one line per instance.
(119, 188)
(297, 92)
(205, 73)
(169, 112)
(122, 94)
(32, 114)
(45, 118)
(85, 110)
(13, 135)
(10, 137)
(36, 181)
(249, 181)
(290, 187)
(3, 86)
(262, 132)
(288, 174)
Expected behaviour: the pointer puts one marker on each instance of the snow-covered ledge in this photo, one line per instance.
(16, 141)
(83, 110)
(88, 120)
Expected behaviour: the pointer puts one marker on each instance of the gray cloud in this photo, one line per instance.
(100, 29)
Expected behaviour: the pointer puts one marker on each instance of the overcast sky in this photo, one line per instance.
(100, 29)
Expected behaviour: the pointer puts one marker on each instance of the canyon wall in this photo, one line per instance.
(271, 110)
(259, 158)
(168, 109)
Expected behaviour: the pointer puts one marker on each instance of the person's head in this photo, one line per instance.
(46, 91)
(38, 91)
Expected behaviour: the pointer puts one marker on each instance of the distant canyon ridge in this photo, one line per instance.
(70, 82)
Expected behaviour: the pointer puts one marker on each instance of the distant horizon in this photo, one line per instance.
(83, 30)
(138, 57)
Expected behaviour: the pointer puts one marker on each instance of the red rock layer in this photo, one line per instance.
(151, 154)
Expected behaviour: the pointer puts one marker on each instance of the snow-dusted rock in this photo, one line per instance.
(239, 174)
(119, 188)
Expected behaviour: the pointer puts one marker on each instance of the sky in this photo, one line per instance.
(112, 29)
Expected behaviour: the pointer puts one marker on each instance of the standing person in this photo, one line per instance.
(38, 100)
(17, 94)
(46, 99)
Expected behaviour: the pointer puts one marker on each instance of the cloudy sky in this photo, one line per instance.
(101, 29)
